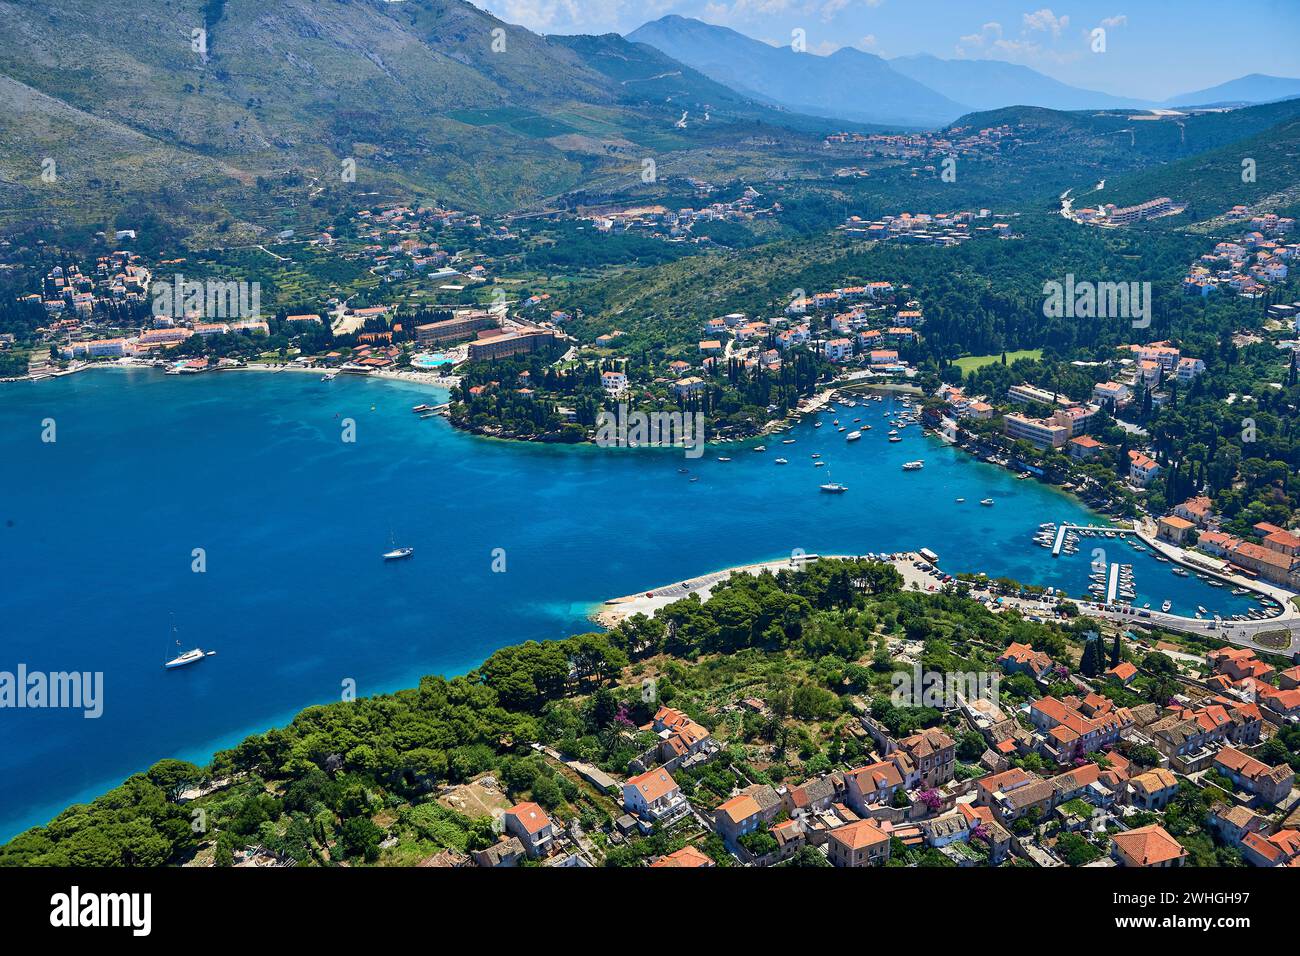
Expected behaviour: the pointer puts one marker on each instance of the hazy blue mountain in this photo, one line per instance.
(991, 84)
(848, 84)
(1254, 88)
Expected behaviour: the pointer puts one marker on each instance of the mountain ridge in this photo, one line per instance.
(823, 86)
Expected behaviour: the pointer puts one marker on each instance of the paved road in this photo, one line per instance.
(1241, 633)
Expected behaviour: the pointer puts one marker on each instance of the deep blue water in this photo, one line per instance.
(97, 531)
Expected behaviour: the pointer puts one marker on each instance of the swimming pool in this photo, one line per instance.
(430, 360)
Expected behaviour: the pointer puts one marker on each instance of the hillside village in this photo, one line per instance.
(1065, 770)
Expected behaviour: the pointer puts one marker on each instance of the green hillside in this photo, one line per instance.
(1212, 183)
(429, 97)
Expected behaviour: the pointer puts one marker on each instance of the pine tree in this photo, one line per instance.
(1115, 651)
(1088, 663)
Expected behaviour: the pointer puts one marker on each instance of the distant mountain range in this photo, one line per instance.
(992, 84)
(250, 135)
(848, 84)
(920, 90)
(1255, 88)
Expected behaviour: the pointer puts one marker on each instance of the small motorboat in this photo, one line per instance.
(780, 461)
(987, 502)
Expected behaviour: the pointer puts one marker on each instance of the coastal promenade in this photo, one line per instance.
(649, 601)
(1286, 625)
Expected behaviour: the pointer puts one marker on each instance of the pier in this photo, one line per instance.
(1112, 583)
(1087, 530)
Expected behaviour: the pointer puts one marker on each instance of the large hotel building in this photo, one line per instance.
(463, 325)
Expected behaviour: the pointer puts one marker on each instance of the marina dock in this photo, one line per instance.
(1086, 530)
(1112, 583)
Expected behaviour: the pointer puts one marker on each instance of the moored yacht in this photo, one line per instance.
(188, 657)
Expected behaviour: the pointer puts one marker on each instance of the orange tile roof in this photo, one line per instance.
(687, 856)
(653, 784)
(859, 835)
(532, 817)
(739, 809)
(1123, 670)
(1149, 846)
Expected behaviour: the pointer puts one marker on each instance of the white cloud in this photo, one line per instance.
(832, 8)
(1116, 21)
(1045, 20)
(977, 43)
(1026, 48)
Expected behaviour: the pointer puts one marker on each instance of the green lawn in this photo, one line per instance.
(972, 362)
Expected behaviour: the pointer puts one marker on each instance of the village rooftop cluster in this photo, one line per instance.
(1108, 774)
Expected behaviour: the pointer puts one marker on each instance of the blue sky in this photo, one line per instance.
(1154, 48)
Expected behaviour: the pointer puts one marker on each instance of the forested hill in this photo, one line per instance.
(1213, 182)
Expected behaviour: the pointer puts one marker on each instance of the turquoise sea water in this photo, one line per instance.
(97, 532)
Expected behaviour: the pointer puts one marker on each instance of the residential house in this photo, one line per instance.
(1233, 822)
(1084, 448)
(1023, 659)
(1174, 529)
(654, 798)
(1199, 510)
(875, 784)
(1142, 470)
(861, 843)
(505, 852)
(687, 856)
(746, 812)
(1279, 849)
(933, 754)
(1271, 784)
(1149, 846)
(1124, 672)
(1066, 732)
(530, 824)
(1152, 790)
(813, 796)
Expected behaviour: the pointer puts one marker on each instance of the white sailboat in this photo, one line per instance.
(396, 553)
(183, 658)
